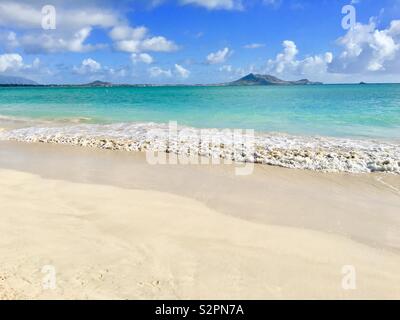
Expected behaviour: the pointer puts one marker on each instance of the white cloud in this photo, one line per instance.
(74, 26)
(136, 40)
(219, 56)
(19, 15)
(286, 63)
(159, 44)
(88, 66)
(181, 71)
(94, 70)
(156, 72)
(141, 57)
(286, 59)
(126, 32)
(13, 64)
(10, 62)
(368, 49)
(29, 16)
(254, 46)
(315, 65)
(128, 46)
(216, 4)
(53, 43)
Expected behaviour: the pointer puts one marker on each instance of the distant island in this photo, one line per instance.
(249, 80)
(16, 81)
(268, 80)
(97, 83)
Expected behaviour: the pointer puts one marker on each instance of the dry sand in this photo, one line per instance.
(114, 227)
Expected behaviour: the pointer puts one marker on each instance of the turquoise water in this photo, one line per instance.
(370, 111)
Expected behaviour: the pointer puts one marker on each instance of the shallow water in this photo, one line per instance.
(335, 128)
(360, 111)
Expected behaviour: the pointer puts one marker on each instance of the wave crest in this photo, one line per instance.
(312, 153)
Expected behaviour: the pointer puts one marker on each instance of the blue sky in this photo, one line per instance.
(199, 41)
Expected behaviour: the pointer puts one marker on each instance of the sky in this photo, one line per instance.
(200, 41)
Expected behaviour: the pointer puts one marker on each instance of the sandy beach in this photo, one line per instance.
(111, 226)
(245, 150)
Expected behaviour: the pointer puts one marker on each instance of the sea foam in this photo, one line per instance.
(313, 153)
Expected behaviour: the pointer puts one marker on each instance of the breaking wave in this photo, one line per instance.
(312, 153)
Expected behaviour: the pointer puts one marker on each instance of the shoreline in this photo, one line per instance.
(315, 153)
(375, 194)
(115, 227)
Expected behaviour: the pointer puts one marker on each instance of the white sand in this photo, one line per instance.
(109, 242)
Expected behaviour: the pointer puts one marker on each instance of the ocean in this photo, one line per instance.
(326, 120)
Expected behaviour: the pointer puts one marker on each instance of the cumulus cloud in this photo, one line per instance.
(19, 15)
(287, 63)
(53, 43)
(14, 62)
(368, 49)
(317, 64)
(136, 40)
(88, 66)
(123, 32)
(178, 71)
(219, 57)
(181, 71)
(73, 29)
(29, 16)
(286, 59)
(92, 69)
(141, 57)
(156, 72)
(159, 44)
(216, 4)
(10, 62)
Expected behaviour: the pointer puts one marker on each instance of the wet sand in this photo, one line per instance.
(115, 227)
